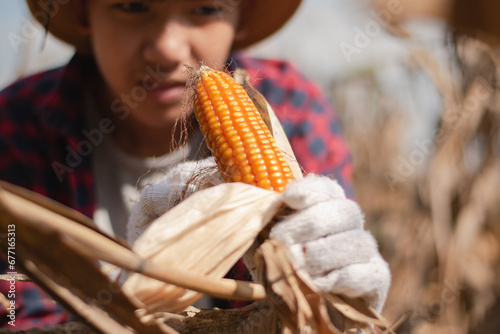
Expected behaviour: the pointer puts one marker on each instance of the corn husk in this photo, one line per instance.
(301, 306)
(58, 249)
(206, 234)
(232, 215)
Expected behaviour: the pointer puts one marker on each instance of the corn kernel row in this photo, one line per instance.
(236, 134)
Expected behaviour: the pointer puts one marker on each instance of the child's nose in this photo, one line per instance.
(169, 46)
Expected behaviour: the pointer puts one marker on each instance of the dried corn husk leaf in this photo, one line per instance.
(300, 305)
(206, 234)
(54, 269)
(305, 307)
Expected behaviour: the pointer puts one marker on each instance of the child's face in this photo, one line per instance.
(142, 47)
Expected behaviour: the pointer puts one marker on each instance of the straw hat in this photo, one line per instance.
(477, 19)
(264, 18)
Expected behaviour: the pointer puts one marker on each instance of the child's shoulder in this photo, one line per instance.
(31, 110)
(280, 82)
(270, 68)
(27, 95)
(49, 99)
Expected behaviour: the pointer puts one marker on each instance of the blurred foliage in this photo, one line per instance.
(434, 205)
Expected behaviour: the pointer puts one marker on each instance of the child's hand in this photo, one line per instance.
(180, 182)
(326, 237)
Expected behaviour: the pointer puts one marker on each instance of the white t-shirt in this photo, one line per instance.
(120, 176)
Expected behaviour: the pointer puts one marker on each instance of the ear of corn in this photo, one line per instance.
(238, 138)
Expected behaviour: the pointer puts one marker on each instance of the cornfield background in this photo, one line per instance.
(434, 205)
(420, 111)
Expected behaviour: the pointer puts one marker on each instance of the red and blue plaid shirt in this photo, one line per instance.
(42, 124)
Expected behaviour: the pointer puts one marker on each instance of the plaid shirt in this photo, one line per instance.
(42, 131)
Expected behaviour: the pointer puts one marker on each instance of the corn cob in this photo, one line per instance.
(238, 138)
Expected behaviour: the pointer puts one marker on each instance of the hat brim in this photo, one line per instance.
(264, 19)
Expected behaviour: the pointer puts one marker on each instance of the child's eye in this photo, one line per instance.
(208, 11)
(132, 6)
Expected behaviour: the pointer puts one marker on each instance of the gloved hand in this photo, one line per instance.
(177, 184)
(325, 236)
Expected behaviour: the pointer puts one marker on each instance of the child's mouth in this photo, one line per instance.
(168, 93)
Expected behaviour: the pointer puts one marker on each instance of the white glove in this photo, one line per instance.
(325, 236)
(180, 182)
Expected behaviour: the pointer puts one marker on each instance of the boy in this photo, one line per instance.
(91, 134)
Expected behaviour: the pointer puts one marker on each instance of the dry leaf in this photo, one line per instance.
(97, 300)
(205, 234)
(300, 305)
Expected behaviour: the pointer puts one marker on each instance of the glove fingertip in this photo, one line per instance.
(369, 281)
(311, 190)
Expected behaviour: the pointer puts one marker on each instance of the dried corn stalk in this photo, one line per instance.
(438, 225)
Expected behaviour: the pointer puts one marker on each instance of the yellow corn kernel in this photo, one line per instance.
(235, 133)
